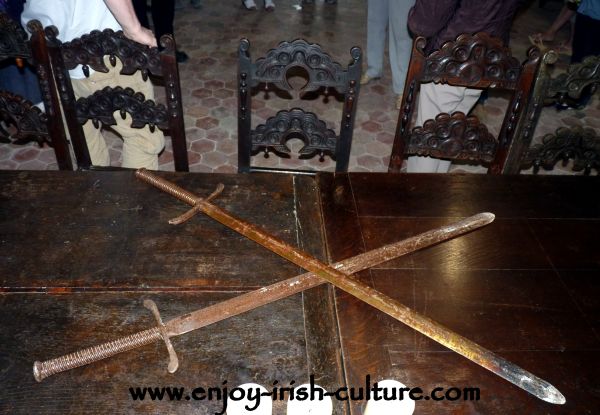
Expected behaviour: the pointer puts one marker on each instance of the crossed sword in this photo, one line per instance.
(339, 274)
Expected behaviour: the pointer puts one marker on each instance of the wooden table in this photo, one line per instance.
(526, 287)
(80, 251)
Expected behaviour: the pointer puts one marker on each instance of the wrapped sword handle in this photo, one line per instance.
(42, 370)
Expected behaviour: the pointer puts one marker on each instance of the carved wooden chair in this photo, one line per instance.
(474, 61)
(582, 145)
(272, 137)
(22, 121)
(89, 51)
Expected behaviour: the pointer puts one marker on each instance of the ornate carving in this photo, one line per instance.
(513, 118)
(295, 123)
(407, 107)
(28, 120)
(243, 95)
(322, 71)
(456, 137)
(472, 60)
(13, 39)
(89, 51)
(582, 145)
(567, 87)
(100, 107)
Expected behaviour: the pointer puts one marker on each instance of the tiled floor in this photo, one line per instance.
(211, 37)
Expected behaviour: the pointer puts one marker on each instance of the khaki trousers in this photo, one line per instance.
(140, 146)
(434, 99)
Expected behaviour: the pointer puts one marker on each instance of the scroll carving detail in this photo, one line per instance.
(455, 136)
(568, 86)
(89, 51)
(472, 59)
(295, 123)
(582, 145)
(101, 105)
(28, 120)
(321, 69)
(13, 39)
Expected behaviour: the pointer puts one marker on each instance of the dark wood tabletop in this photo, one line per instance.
(80, 251)
(526, 287)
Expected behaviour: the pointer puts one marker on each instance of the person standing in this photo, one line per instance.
(587, 30)
(163, 15)
(74, 18)
(388, 17)
(440, 21)
(18, 80)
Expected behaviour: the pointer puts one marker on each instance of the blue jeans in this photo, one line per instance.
(20, 81)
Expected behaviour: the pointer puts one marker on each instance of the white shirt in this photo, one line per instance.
(72, 18)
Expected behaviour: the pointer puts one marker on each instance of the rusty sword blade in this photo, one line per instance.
(352, 285)
(251, 300)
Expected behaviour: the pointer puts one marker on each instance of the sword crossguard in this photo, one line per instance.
(193, 211)
(173, 360)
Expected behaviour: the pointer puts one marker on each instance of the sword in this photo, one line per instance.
(249, 301)
(352, 285)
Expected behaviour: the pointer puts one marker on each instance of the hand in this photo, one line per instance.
(141, 35)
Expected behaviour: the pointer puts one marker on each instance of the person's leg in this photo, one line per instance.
(140, 146)
(586, 29)
(377, 21)
(433, 100)
(563, 17)
(163, 14)
(400, 42)
(20, 81)
(93, 136)
(141, 11)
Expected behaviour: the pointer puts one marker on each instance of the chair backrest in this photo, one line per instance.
(274, 69)
(29, 122)
(582, 145)
(89, 51)
(577, 143)
(475, 61)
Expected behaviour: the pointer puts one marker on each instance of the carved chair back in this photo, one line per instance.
(274, 69)
(475, 61)
(28, 121)
(90, 51)
(582, 145)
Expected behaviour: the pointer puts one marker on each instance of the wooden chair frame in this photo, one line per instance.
(323, 73)
(580, 144)
(474, 61)
(89, 51)
(31, 123)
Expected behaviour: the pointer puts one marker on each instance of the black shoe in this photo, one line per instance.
(181, 56)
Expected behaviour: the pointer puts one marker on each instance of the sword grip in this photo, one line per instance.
(42, 370)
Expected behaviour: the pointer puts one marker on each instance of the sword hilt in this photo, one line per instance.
(42, 370)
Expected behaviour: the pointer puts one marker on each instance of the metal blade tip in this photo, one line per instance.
(489, 216)
(553, 395)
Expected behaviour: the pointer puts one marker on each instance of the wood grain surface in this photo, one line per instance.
(81, 251)
(525, 287)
